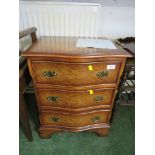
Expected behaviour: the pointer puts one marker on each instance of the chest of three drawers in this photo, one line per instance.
(74, 92)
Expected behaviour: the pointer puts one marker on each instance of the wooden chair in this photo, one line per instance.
(24, 79)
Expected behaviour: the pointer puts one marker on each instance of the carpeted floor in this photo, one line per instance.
(120, 140)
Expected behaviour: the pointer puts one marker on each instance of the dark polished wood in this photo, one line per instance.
(74, 87)
(126, 95)
(30, 31)
(23, 114)
(24, 79)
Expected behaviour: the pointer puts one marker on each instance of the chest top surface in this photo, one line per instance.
(66, 46)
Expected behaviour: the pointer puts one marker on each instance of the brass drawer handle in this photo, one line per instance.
(53, 99)
(49, 74)
(95, 119)
(98, 98)
(102, 74)
(54, 119)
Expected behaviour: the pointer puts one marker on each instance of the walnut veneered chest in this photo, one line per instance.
(75, 87)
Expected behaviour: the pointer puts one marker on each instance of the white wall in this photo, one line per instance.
(117, 17)
(117, 22)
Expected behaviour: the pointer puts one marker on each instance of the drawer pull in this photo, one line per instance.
(54, 119)
(53, 99)
(95, 119)
(49, 74)
(102, 74)
(98, 98)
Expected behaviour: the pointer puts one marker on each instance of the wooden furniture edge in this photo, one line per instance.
(101, 129)
(31, 31)
(116, 88)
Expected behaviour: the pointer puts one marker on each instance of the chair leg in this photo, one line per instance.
(23, 116)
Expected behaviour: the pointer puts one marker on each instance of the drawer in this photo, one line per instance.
(73, 120)
(76, 74)
(74, 99)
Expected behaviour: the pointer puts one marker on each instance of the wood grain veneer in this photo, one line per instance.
(74, 99)
(73, 120)
(71, 73)
(66, 87)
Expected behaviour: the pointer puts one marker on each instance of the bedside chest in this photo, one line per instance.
(75, 87)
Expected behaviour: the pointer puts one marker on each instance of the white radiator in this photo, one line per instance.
(60, 19)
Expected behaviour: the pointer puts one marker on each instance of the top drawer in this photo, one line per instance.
(76, 74)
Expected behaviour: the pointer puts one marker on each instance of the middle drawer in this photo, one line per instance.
(74, 99)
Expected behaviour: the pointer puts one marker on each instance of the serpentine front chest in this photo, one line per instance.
(75, 87)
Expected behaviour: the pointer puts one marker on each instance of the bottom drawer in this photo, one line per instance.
(73, 120)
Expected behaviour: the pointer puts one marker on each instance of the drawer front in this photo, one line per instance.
(74, 99)
(75, 74)
(74, 120)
